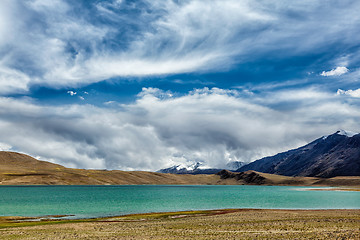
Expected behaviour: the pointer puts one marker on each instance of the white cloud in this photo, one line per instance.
(12, 80)
(4, 147)
(110, 103)
(161, 129)
(301, 95)
(335, 72)
(72, 93)
(353, 93)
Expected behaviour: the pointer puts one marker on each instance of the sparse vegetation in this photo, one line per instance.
(217, 224)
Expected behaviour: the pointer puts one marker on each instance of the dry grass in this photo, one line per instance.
(221, 224)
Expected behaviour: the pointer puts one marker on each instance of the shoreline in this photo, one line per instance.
(331, 188)
(319, 186)
(149, 215)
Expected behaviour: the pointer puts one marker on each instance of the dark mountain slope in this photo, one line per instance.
(335, 155)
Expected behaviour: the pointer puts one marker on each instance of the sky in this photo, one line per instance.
(144, 85)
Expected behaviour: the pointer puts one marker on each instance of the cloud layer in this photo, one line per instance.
(69, 44)
(161, 129)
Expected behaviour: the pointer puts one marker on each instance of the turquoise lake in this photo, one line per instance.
(101, 201)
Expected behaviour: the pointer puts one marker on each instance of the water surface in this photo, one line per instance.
(101, 201)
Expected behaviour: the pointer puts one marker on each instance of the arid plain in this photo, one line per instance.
(217, 224)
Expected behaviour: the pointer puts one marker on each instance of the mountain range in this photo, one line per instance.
(21, 169)
(337, 154)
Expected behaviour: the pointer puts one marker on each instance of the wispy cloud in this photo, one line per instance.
(13, 81)
(57, 45)
(353, 93)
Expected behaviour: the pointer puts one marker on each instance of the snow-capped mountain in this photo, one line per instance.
(234, 165)
(344, 133)
(199, 168)
(337, 154)
(190, 168)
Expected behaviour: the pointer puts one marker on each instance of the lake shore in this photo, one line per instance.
(212, 224)
(341, 189)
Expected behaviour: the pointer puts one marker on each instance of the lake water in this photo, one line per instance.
(101, 201)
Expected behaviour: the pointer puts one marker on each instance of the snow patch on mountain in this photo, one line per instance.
(343, 133)
(346, 133)
(234, 165)
(200, 168)
(188, 166)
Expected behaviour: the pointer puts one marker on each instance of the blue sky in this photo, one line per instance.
(148, 84)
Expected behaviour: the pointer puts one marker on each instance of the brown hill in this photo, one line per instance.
(12, 161)
(20, 169)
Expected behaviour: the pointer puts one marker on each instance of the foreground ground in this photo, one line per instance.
(220, 224)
